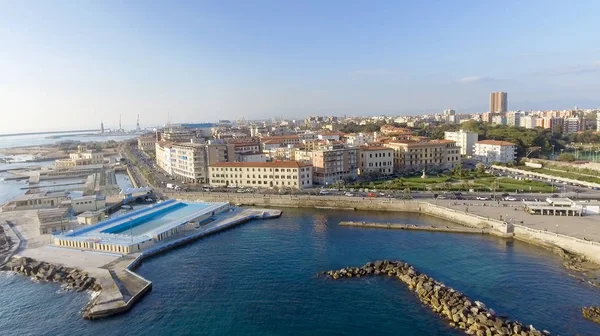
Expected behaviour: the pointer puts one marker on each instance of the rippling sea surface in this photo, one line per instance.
(260, 279)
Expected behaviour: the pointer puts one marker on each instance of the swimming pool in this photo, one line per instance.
(142, 224)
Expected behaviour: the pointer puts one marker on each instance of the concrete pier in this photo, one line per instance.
(392, 226)
(122, 287)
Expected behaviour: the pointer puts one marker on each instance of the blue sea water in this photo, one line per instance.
(260, 279)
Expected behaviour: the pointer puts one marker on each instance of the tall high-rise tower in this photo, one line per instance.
(498, 102)
(102, 127)
(120, 128)
(138, 123)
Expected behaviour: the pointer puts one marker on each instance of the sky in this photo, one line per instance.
(74, 64)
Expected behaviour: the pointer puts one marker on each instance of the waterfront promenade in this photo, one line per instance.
(582, 238)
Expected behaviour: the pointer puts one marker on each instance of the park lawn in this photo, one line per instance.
(507, 184)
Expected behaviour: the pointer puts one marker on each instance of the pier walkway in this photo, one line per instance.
(122, 288)
(432, 228)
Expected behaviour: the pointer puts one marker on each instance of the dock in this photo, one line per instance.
(122, 287)
(412, 227)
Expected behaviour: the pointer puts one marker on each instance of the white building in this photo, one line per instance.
(513, 119)
(86, 203)
(376, 160)
(490, 151)
(251, 157)
(280, 174)
(465, 140)
(528, 121)
(329, 136)
(83, 157)
(190, 161)
(359, 139)
(499, 120)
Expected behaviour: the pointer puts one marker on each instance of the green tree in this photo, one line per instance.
(567, 157)
(480, 168)
(458, 171)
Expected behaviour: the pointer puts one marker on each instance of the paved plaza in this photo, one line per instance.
(584, 227)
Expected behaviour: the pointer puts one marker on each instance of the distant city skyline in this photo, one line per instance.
(67, 67)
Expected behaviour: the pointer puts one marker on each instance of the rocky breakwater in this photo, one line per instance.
(70, 278)
(6, 245)
(591, 313)
(460, 311)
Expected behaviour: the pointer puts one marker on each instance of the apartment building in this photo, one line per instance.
(190, 161)
(280, 174)
(146, 143)
(163, 156)
(283, 140)
(332, 163)
(376, 160)
(433, 154)
(490, 151)
(513, 119)
(499, 120)
(83, 157)
(177, 134)
(498, 102)
(464, 140)
(251, 157)
(573, 125)
(243, 147)
(359, 139)
(553, 122)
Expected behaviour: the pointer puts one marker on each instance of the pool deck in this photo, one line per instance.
(122, 287)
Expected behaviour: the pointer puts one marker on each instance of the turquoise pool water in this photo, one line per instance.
(147, 223)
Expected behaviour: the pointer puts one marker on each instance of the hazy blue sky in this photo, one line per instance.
(64, 66)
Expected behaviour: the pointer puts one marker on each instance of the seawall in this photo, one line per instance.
(134, 182)
(588, 249)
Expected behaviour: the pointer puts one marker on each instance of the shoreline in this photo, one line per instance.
(577, 250)
(115, 286)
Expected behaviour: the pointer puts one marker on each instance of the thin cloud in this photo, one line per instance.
(372, 72)
(475, 79)
(573, 70)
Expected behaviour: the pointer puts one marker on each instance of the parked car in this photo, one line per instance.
(483, 198)
(510, 198)
(349, 194)
(505, 195)
(323, 192)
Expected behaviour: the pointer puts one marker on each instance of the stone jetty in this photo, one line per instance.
(461, 312)
(6, 244)
(591, 313)
(70, 278)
